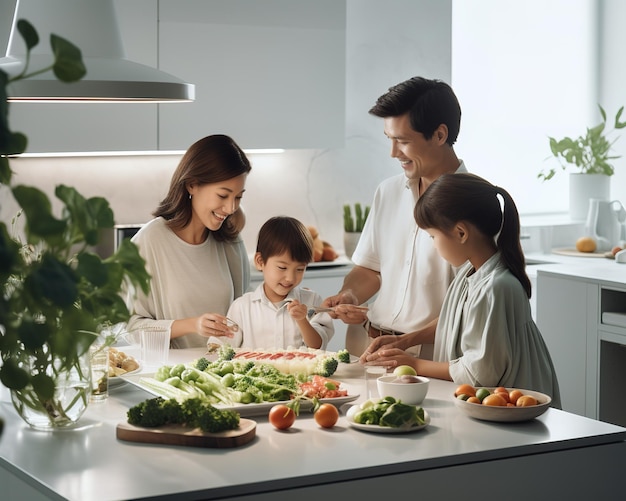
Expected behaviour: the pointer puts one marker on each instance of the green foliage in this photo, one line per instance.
(56, 295)
(590, 154)
(192, 413)
(354, 223)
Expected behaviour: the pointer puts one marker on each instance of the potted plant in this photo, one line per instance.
(591, 156)
(56, 294)
(353, 226)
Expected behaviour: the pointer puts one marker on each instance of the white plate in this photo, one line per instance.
(374, 428)
(119, 380)
(340, 261)
(244, 410)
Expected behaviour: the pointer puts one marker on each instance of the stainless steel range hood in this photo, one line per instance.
(92, 26)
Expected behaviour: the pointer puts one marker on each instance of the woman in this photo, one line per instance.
(485, 335)
(193, 250)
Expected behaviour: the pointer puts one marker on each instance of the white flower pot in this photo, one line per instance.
(350, 239)
(583, 187)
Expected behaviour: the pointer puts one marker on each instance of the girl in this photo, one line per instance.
(485, 335)
(193, 250)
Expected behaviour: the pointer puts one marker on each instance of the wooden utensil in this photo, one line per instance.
(180, 435)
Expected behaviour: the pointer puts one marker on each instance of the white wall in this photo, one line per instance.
(528, 70)
(387, 42)
(506, 118)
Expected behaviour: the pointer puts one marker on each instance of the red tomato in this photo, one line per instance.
(281, 416)
(326, 415)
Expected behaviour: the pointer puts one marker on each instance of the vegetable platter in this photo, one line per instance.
(250, 387)
(245, 410)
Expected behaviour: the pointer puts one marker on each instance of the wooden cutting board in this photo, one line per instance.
(180, 435)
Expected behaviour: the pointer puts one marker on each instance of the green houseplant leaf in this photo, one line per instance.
(588, 154)
(56, 294)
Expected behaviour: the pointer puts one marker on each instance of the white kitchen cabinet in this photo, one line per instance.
(588, 350)
(567, 318)
(270, 74)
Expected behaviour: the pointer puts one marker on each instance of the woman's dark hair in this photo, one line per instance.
(210, 160)
(466, 197)
(282, 234)
(429, 104)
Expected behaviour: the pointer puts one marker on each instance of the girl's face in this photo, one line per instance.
(449, 245)
(212, 203)
(280, 275)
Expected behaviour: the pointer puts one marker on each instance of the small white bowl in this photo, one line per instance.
(407, 393)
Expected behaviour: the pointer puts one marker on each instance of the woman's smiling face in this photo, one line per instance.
(212, 203)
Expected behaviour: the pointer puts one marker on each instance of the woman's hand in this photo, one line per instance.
(390, 358)
(346, 308)
(214, 324)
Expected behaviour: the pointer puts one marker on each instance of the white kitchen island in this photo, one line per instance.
(557, 456)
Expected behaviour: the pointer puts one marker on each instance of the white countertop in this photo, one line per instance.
(91, 464)
(588, 268)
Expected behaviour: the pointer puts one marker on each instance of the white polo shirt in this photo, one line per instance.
(414, 278)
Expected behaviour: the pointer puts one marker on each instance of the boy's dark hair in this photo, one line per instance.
(429, 104)
(282, 234)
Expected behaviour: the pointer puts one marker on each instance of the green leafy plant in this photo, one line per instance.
(56, 294)
(354, 223)
(590, 154)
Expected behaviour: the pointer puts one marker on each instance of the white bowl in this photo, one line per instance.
(505, 414)
(407, 393)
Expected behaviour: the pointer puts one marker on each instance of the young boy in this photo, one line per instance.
(274, 316)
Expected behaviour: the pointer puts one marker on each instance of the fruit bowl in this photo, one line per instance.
(407, 393)
(505, 414)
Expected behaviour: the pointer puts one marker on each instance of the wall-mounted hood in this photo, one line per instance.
(92, 26)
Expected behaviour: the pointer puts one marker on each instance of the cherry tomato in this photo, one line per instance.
(281, 416)
(326, 415)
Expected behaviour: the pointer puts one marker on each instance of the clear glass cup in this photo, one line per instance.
(372, 373)
(155, 345)
(99, 355)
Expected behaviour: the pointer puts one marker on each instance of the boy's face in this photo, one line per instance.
(280, 275)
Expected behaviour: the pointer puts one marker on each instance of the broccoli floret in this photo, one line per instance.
(202, 364)
(215, 420)
(327, 366)
(193, 413)
(343, 356)
(226, 352)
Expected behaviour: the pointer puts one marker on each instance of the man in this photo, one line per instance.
(394, 258)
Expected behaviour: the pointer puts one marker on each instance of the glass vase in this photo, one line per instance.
(72, 390)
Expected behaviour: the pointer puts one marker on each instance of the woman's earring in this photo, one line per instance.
(189, 196)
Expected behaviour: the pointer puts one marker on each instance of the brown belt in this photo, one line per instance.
(378, 331)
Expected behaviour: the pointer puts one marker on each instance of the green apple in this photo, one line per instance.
(404, 370)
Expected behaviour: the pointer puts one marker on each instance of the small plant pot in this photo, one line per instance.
(350, 240)
(583, 187)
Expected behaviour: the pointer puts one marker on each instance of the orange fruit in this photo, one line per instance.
(500, 389)
(473, 400)
(495, 399)
(526, 401)
(465, 389)
(514, 395)
(586, 244)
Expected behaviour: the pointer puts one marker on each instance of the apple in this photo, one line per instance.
(404, 370)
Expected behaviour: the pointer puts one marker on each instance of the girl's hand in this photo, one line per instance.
(387, 341)
(389, 357)
(297, 310)
(214, 324)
